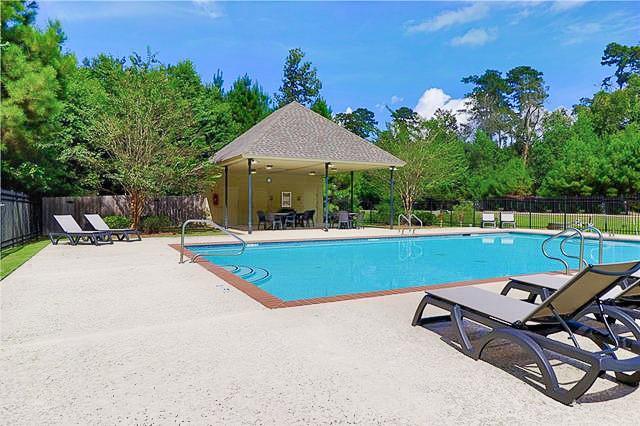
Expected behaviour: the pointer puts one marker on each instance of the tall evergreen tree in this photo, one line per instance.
(321, 107)
(32, 83)
(300, 80)
(362, 122)
(528, 93)
(249, 104)
(625, 59)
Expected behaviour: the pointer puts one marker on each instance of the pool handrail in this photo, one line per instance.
(580, 257)
(575, 231)
(591, 227)
(216, 226)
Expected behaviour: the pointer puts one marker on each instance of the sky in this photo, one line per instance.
(368, 54)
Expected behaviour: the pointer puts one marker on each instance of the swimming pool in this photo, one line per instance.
(293, 271)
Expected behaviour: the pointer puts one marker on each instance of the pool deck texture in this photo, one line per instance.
(123, 334)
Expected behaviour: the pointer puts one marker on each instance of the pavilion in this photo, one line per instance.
(284, 161)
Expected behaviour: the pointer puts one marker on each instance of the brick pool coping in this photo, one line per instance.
(272, 302)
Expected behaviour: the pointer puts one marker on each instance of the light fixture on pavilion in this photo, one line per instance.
(268, 167)
(312, 173)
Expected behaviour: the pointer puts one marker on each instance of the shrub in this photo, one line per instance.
(117, 222)
(426, 217)
(155, 224)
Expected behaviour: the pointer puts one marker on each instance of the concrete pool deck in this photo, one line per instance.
(122, 333)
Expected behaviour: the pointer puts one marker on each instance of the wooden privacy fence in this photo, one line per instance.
(177, 208)
(20, 218)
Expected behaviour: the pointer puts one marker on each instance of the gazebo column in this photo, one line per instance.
(351, 191)
(391, 212)
(226, 197)
(326, 197)
(250, 195)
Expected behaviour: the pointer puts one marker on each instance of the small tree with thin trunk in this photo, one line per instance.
(148, 140)
(435, 162)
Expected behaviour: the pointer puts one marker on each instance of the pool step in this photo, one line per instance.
(254, 275)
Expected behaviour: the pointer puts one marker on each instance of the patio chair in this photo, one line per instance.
(262, 219)
(308, 218)
(72, 231)
(527, 325)
(488, 218)
(344, 221)
(290, 220)
(275, 221)
(121, 234)
(507, 218)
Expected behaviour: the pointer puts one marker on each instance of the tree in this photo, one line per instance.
(300, 80)
(249, 104)
(611, 112)
(145, 134)
(625, 59)
(362, 122)
(578, 168)
(435, 163)
(527, 93)
(621, 169)
(32, 81)
(556, 130)
(321, 107)
(489, 107)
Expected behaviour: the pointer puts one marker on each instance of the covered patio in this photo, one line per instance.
(283, 163)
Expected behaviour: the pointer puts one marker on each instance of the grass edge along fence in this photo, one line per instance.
(19, 218)
(611, 215)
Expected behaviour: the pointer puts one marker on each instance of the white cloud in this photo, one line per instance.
(396, 99)
(562, 5)
(348, 110)
(577, 33)
(449, 18)
(434, 99)
(210, 8)
(475, 37)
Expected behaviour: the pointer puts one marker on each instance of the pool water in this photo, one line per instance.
(313, 269)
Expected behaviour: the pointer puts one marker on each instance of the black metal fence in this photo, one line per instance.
(611, 215)
(20, 218)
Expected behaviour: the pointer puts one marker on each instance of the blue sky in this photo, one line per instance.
(368, 54)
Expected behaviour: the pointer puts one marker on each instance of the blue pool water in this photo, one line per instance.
(304, 270)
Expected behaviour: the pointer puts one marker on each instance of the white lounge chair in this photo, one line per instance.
(121, 234)
(507, 218)
(72, 231)
(488, 218)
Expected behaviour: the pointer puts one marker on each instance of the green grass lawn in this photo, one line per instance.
(12, 258)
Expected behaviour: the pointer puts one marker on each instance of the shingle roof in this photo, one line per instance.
(296, 132)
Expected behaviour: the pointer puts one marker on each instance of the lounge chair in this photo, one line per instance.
(488, 218)
(527, 325)
(625, 296)
(507, 218)
(121, 234)
(72, 231)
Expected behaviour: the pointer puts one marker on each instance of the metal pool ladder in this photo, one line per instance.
(243, 243)
(409, 222)
(569, 234)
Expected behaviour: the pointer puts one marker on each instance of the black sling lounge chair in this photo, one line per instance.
(528, 325)
(625, 297)
(72, 231)
(121, 234)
